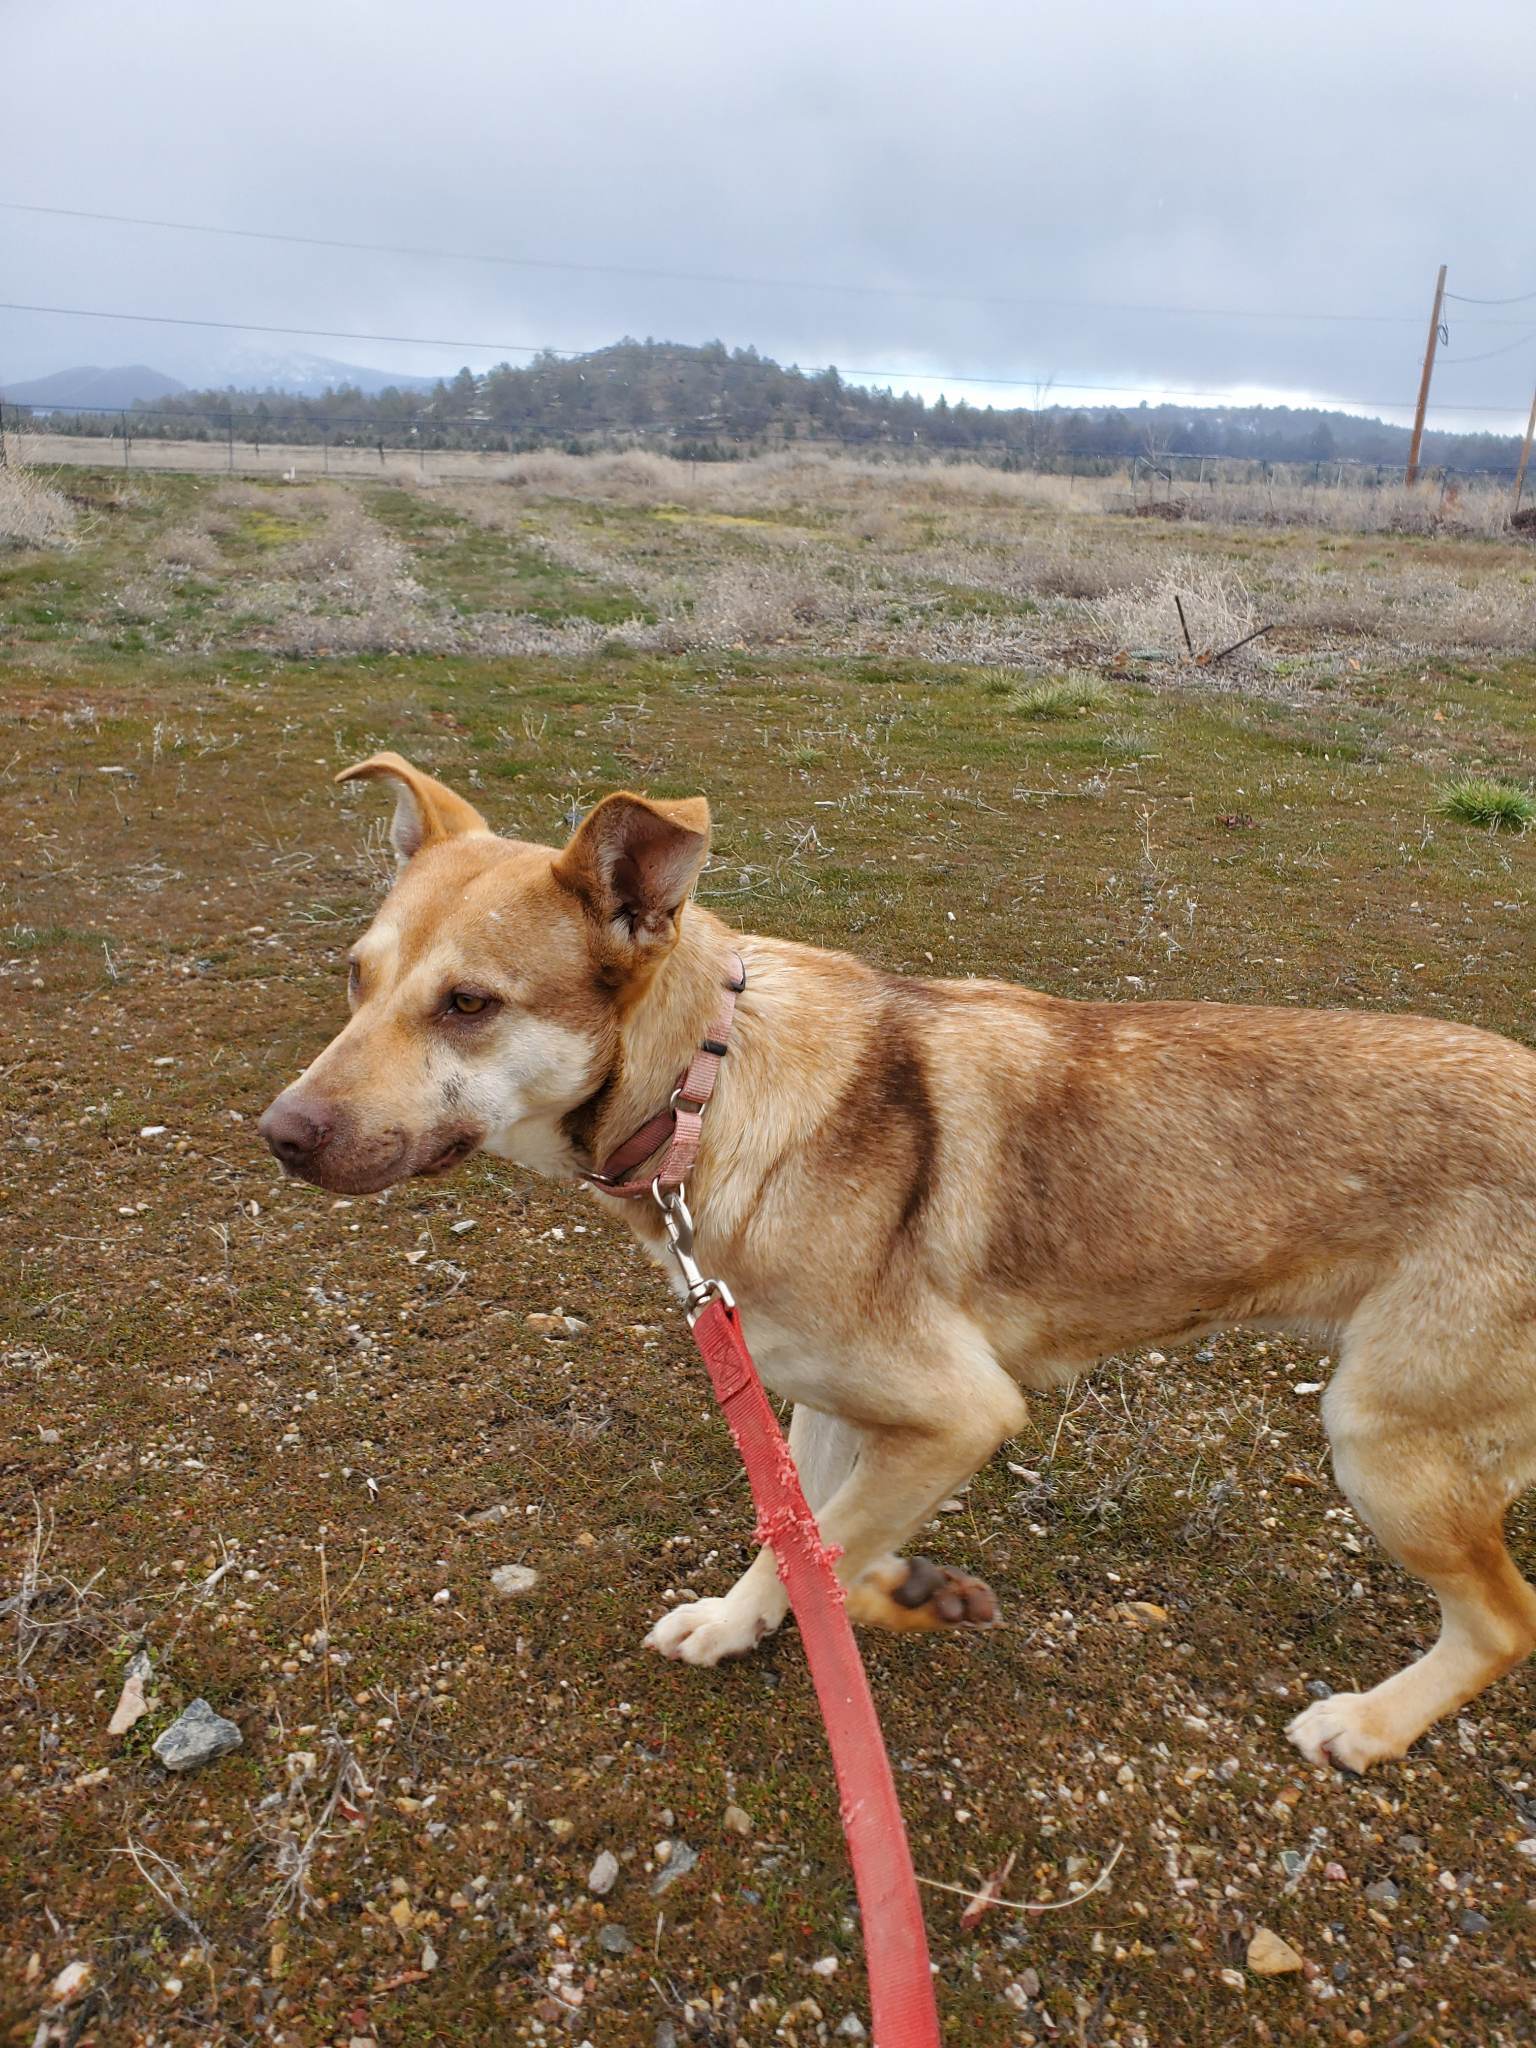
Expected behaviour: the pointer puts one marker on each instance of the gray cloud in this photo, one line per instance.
(1322, 158)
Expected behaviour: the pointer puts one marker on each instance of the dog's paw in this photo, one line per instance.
(707, 1631)
(1345, 1730)
(916, 1593)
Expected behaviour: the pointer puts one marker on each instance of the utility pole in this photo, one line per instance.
(1525, 455)
(1430, 346)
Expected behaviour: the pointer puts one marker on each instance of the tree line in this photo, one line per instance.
(712, 403)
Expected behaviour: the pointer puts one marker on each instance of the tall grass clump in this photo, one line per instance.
(32, 513)
(1063, 697)
(1484, 800)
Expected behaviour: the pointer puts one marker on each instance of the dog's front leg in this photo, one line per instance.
(825, 1450)
(872, 1485)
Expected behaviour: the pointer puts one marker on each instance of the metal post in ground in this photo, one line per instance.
(1525, 455)
(123, 417)
(229, 436)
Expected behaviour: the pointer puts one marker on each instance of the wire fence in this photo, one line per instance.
(253, 440)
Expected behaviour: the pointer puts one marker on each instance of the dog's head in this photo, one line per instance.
(487, 994)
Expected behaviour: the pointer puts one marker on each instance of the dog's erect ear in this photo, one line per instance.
(425, 809)
(633, 861)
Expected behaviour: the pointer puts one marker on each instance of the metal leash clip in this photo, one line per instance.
(676, 1220)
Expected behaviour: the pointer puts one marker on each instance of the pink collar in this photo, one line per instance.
(682, 1120)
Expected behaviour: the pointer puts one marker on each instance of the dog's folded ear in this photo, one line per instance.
(425, 809)
(633, 861)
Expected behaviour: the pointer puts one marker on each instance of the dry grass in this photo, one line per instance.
(32, 513)
(949, 565)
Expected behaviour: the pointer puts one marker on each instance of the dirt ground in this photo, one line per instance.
(282, 1442)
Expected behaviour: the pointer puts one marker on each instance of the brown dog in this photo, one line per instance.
(930, 1196)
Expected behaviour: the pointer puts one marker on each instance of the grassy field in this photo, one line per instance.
(283, 1441)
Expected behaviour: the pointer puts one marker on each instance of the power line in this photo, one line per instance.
(647, 271)
(807, 369)
(1465, 299)
(1487, 355)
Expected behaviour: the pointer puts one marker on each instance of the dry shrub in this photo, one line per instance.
(754, 603)
(1217, 606)
(32, 513)
(189, 550)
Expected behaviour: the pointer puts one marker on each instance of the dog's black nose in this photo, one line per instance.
(294, 1130)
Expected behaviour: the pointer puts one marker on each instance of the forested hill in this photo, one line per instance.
(711, 401)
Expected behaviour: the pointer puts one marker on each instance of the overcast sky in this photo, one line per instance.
(1088, 162)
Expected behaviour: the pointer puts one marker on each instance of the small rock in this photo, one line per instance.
(1141, 1613)
(402, 1915)
(49, 1436)
(511, 1579)
(1307, 1387)
(561, 1829)
(1474, 1923)
(736, 1821)
(428, 1957)
(1411, 1845)
(825, 1966)
(487, 1518)
(1234, 1979)
(604, 1874)
(463, 1227)
(1319, 1688)
(1269, 1956)
(132, 1706)
(1527, 1847)
(441, 1597)
(1383, 1892)
(1335, 1873)
(614, 1940)
(556, 1325)
(69, 1983)
(680, 1860)
(1292, 1862)
(196, 1736)
(850, 2028)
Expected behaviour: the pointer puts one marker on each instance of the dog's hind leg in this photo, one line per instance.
(1434, 1493)
(705, 1631)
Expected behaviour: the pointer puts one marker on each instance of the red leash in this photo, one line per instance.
(902, 2009)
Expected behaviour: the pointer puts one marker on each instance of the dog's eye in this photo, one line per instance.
(464, 1003)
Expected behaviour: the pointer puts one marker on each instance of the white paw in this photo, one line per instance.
(1344, 1730)
(706, 1630)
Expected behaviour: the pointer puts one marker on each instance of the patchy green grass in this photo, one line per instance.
(1481, 800)
(1063, 697)
(205, 1364)
(481, 569)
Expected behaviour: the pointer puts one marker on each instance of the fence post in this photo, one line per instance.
(4, 460)
(123, 417)
(1525, 456)
(229, 437)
